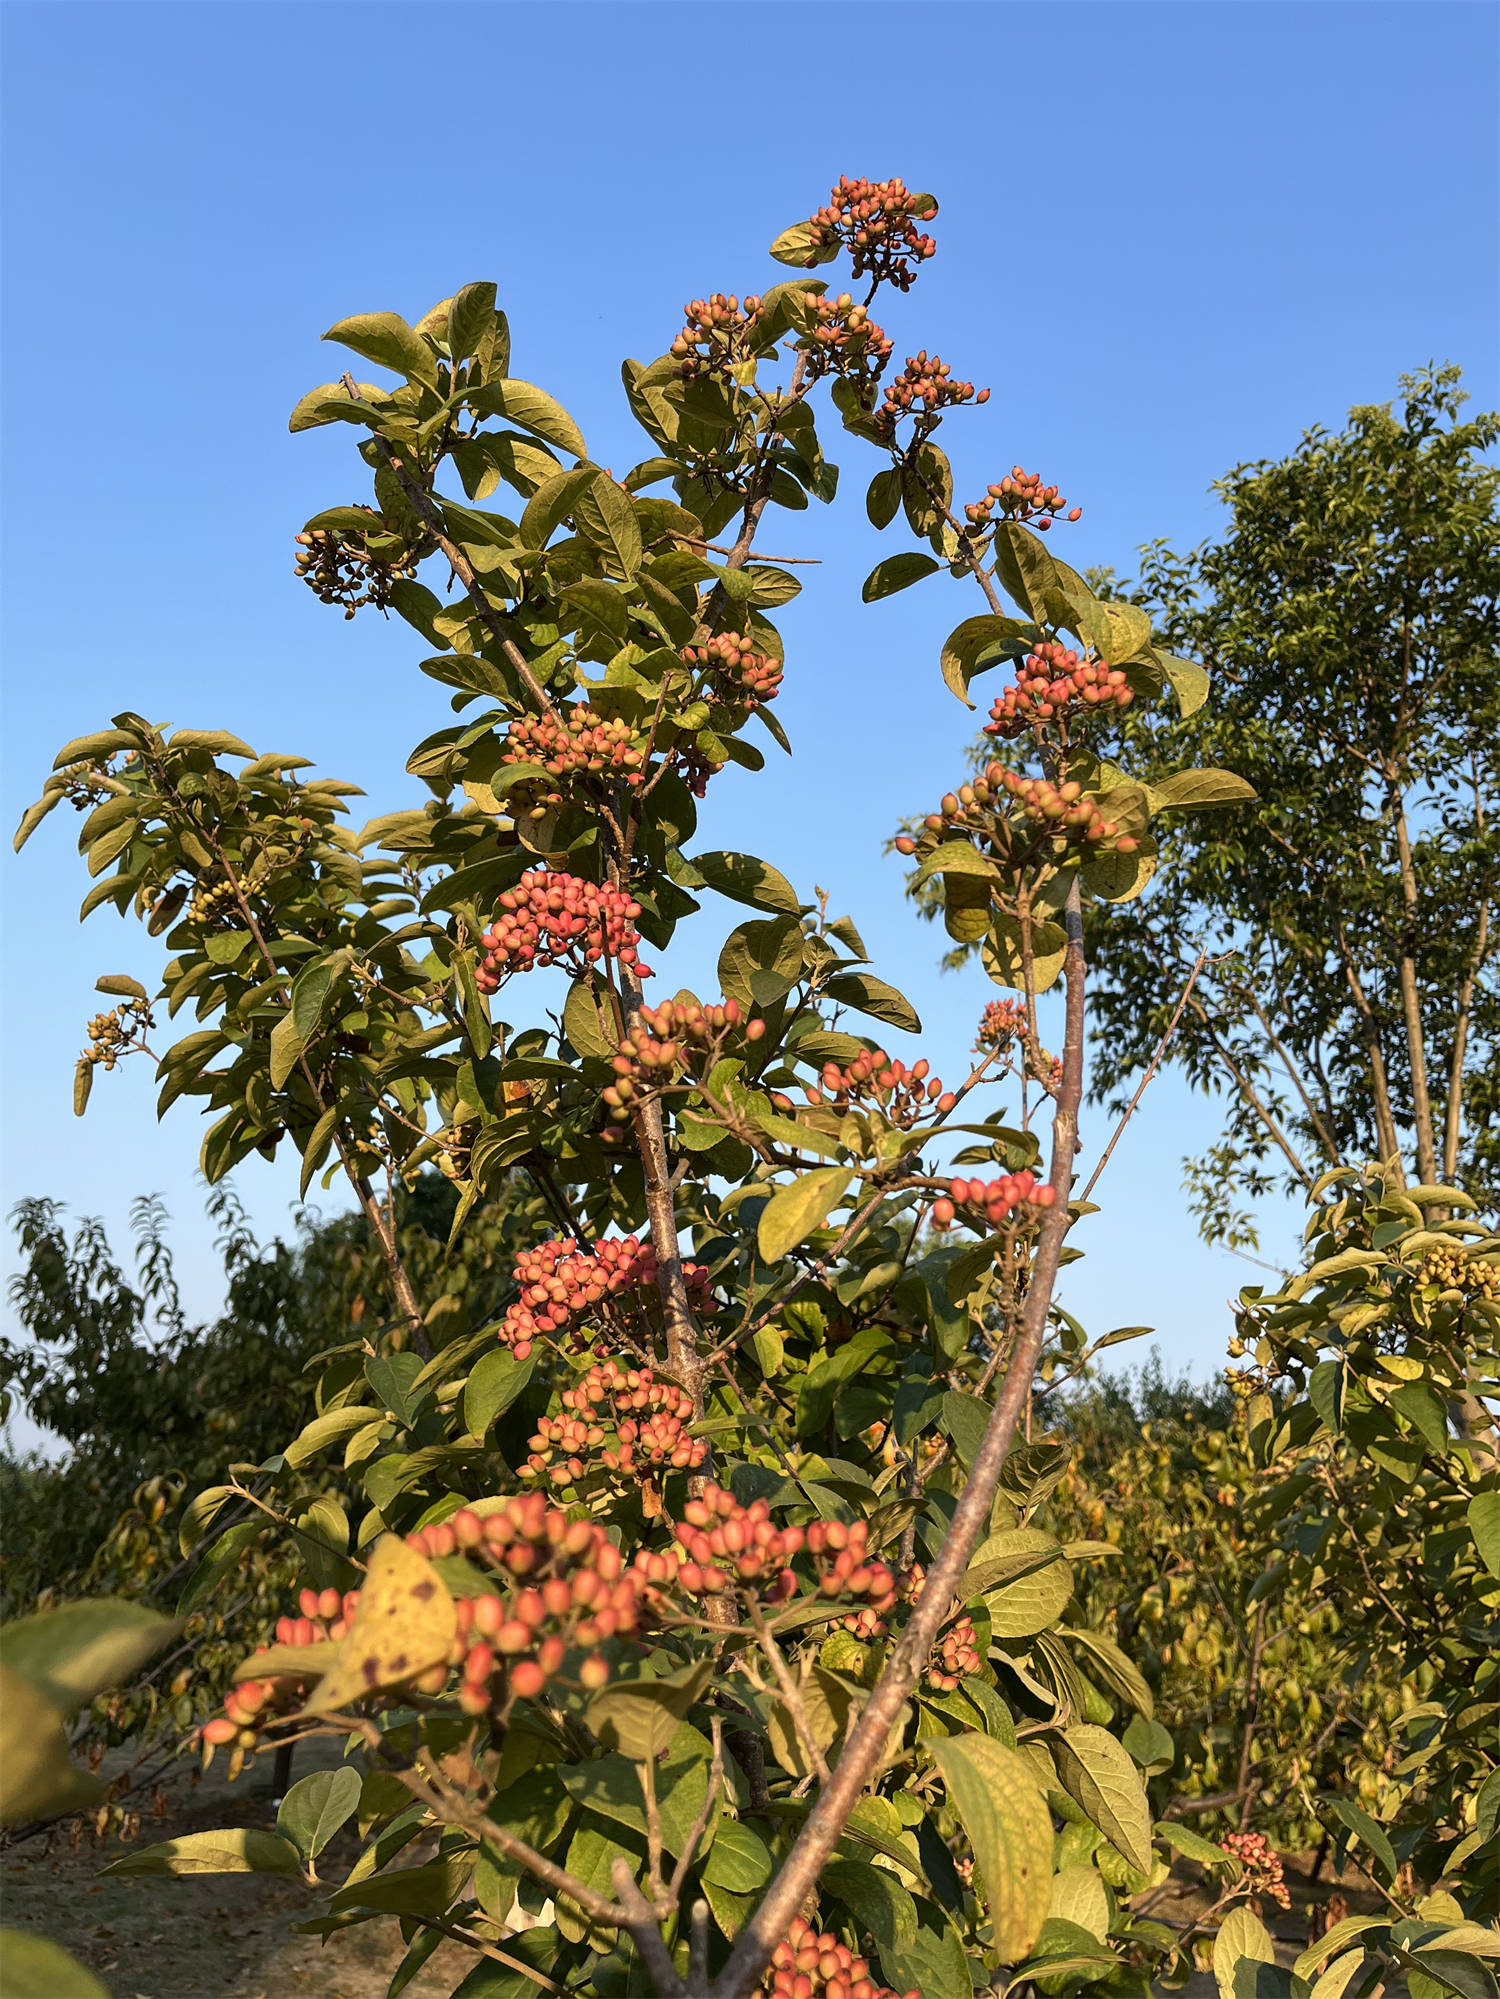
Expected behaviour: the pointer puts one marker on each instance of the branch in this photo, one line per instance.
(865, 1748)
(1151, 1068)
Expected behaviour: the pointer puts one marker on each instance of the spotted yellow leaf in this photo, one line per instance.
(405, 1623)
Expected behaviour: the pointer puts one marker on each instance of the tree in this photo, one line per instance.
(1349, 620)
(694, 1615)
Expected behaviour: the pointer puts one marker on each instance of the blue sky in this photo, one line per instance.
(1171, 238)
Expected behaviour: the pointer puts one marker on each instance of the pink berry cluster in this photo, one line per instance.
(808, 1965)
(325, 1614)
(576, 740)
(1064, 810)
(724, 1543)
(563, 1587)
(1022, 497)
(737, 671)
(903, 1095)
(844, 337)
(873, 221)
(620, 1417)
(992, 1202)
(714, 334)
(550, 918)
(659, 1043)
(1262, 1865)
(924, 387)
(562, 1286)
(1002, 1022)
(1050, 681)
(956, 1657)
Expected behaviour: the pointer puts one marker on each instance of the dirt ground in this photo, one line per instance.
(226, 1936)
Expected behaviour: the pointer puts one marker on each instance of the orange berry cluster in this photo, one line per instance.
(658, 1045)
(550, 918)
(562, 1285)
(724, 1543)
(580, 740)
(567, 1588)
(1002, 1022)
(873, 221)
(1022, 497)
(741, 673)
(992, 1202)
(620, 1417)
(842, 334)
(813, 1966)
(1261, 1862)
(325, 1615)
(1052, 679)
(957, 1656)
(117, 1032)
(341, 568)
(713, 335)
(904, 1095)
(1065, 810)
(924, 386)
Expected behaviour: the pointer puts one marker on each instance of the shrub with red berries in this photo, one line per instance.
(566, 1291)
(875, 221)
(551, 918)
(617, 1419)
(1054, 680)
(992, 1203)
(813, 1966)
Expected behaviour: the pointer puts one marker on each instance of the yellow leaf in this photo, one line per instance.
(405, 1623)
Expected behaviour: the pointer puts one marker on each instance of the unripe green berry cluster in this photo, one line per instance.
(117, 1032)
(1450, 1270)
(1021, 496)
(552, 918)
(563, 1288)
(620, 1417)
(1053, 679)
(873, 221)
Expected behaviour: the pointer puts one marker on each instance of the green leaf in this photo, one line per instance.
(1189, 789)
(236, 1850)
(531, 408)
(1079, 1897)
(1484, 1525)
(83, 1084)
(581, 1023)
(1097, 1773)
(332, 1427)
(72, 1654)
(1004, 960)
(995, 1794)
(1189, 682)
(638, 1718)
(605, 515)
(1364, 1828)
(1024, 1578)
(1242, 1937)
(739, 1859)
(315, 1807)
(872, 996)
(36, 1778)
(797, 246)
(492, 1387)
(1120, 1674)
(964, 1419)
(897, 572)
(470, 316)
(218, 742)
(761, 962)
(883, 498)
(31, 1967)
(980, 643)
(794, 1211)
(386, 339)
(1335, 1940)
(220, 1559)
(744, 878)
(416, 1891)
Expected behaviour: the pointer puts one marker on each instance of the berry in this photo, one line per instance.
(873, 221)
(550, 918)
(1261, 1862)
(562, 1286)
(1053, 680)
(1001, 1023)
(811, 1966)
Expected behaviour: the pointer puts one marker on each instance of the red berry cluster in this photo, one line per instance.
(924, 386)
(325, 1615)
(714, 334)
(813, 1966)
(957, 1655)
(658, 1045)
(1002, 1022)
(739, 673)
(550, 918)
(1063, 809)
(904, 1095)
(1052, 679)
(843, 336)
(1262, 1865)
(620, 1417)
(577, 740)
(562, 1286)
(565, 1587)
(1022, 497)
(724, 1543)
(873, 221)
(992, 1202)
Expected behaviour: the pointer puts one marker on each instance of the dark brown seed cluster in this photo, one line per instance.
(344, 569)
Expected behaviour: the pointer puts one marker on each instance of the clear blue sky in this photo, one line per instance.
(1171, 238)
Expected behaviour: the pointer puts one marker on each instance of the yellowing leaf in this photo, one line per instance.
(1098, 1773)
(36, 1777)
(1010, 1829)
(405, 1623)
(793, 1212)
